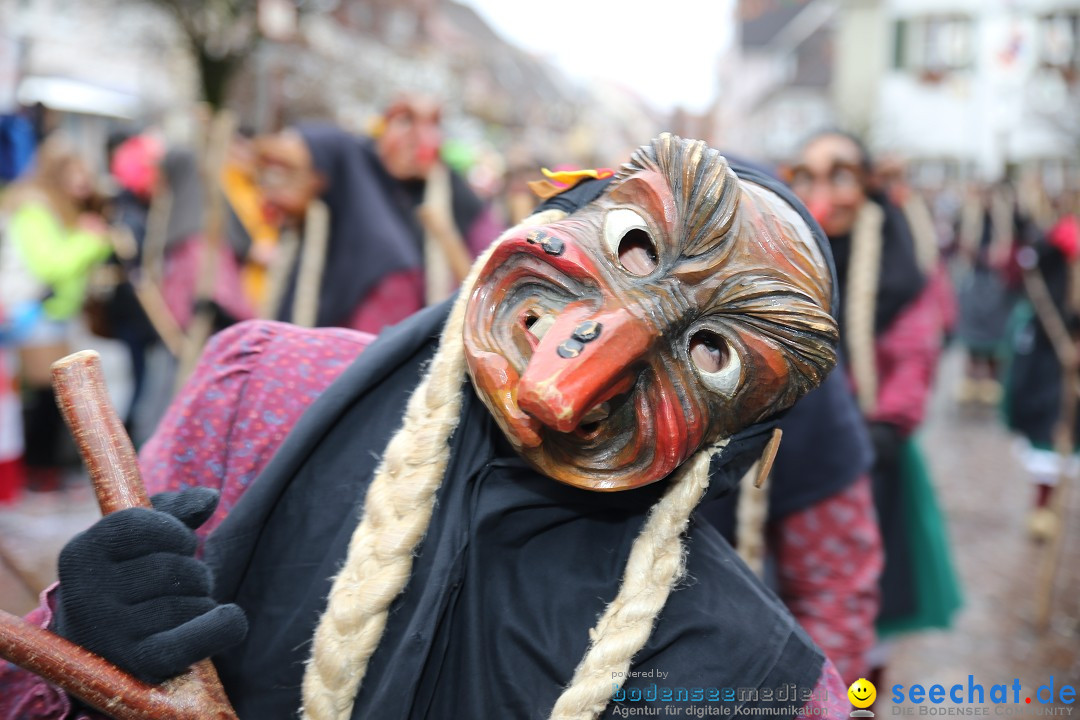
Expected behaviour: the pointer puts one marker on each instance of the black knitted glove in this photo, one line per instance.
(132, 591)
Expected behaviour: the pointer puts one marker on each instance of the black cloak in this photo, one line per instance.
(1033, 388)
(513, 571)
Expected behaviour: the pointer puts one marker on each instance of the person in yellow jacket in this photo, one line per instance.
(49, 243)
(259, 231)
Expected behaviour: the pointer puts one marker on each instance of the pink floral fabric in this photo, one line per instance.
(907, 354)
(253, 383)
(829, 557)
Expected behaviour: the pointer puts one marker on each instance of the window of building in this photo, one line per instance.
(934, 44)
(1059, 40)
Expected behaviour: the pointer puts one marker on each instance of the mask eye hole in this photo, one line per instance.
(627, 236)
(708, 351)
(636, 252)
(717, 362)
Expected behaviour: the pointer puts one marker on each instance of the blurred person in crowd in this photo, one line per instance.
(50, 242)
(1034, 397)
(991, 230)
(173, 262)
(891, 335)
(397, 217)
(251, 232)
(183, 249)
(133, 164)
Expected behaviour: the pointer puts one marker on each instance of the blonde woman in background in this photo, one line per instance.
(50, 241)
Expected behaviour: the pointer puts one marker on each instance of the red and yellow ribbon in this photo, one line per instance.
(563, 180)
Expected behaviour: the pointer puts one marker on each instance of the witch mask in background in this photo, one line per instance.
(679, 307)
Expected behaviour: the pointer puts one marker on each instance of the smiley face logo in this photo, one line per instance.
(862, 693)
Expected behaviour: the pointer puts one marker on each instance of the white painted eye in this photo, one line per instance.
(717, 362)
(627, 236)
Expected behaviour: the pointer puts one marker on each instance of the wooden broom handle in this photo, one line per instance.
(103, 443)
(110, 458)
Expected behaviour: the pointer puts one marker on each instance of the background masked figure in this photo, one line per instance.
(789, 534)
(380, 266)
(1034, 399)
(821, 473)
(891, 327)
(640, 336)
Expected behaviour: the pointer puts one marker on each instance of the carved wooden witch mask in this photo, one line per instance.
(679, 307)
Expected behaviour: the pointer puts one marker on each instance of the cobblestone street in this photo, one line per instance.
(985, 495)
(981, 488)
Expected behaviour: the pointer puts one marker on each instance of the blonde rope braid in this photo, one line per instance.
(923, 233)
(655, 564)
(751, 514)
(863, 274)
(396, 515)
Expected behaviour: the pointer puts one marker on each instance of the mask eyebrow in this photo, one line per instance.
(650, 191)
(780, 310)
(703, 187)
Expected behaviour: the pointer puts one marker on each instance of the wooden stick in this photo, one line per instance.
(309, 276)
(1050, 318)
(110, 457)
(1051, 559)
(768, 457)
(103, 686)
(278, 272)
(112, 464)
(446, 258)
(449, 240)
(202, 323)
(161, 318)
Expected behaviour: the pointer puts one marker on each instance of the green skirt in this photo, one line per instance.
(937, 588)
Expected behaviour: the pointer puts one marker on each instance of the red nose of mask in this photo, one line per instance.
(820, 210)
(427, 146)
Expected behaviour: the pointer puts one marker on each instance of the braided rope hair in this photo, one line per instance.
(656, 563)
(751, 520)
(861, 303)
(396, 515)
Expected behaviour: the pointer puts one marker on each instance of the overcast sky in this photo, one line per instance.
(665, 49)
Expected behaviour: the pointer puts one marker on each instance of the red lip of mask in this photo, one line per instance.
(676, 309)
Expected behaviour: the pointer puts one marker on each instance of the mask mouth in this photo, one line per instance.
(592, 424)
(537, 323)
(597, 414)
